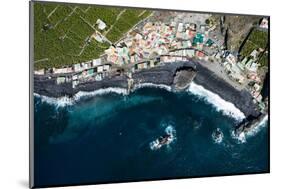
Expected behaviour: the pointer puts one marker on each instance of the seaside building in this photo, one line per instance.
(87, 65)
(254, 54)
(98, 77)
(75, 83)
(77, 67)
(96, 62)
(90, 72)
(62, 70)
(100, 69)
(199, 54)
(189, 52)
(142, 65)
(106, 68)
(231, 58)
(75, 77)
(39, 72)
(251, 66)
(254, 77)
(61, 80)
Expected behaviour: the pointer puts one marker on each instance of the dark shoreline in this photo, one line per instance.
(243, 100)
(158, 75)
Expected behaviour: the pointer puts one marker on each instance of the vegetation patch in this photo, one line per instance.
(257, 39)
(62, 32)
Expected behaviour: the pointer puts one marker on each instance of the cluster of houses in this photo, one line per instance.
(94, 71)
(245, 72)
(153, 43)
(142, 48)
(159, 39)
(146, 64)
(81, 72)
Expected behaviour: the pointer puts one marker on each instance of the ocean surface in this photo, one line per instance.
(105, 136)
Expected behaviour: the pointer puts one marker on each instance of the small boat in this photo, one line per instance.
(164, 140)
(217, 136)
(161, 141)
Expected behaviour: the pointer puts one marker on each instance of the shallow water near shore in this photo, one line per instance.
(106, 137)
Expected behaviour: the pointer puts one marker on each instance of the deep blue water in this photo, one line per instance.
(106, 138)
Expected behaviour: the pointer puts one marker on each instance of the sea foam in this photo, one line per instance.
(152, 85)
(58, 102)
(221, 105)
(68, 101)
(116, 90)
(256, 129)
(241, 138)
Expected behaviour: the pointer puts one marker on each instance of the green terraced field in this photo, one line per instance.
(257, 39)
(62, 31)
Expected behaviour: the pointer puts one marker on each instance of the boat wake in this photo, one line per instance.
(227, 108)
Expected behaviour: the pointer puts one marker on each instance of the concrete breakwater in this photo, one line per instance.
(177, 75)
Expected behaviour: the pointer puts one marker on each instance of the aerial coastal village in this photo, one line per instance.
(240, 56)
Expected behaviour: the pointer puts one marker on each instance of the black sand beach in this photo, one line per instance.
(158, 75)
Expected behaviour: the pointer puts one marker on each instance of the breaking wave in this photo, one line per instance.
(81, 94)
(242, 138)
(151, 85)
(227, 108)
(256, 129)
(67, 101)
(59, 102)
(221, 105)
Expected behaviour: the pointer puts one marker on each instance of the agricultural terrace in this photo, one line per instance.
(63, 33)
(257, 39)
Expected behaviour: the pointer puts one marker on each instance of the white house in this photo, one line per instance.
(106, 67)
(231, 59)
(101, 24)
(96, 62)
(100, 69)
